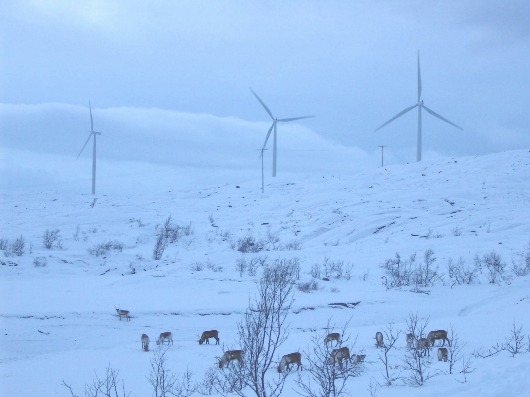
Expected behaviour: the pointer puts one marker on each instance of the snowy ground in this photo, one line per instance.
(58, 321)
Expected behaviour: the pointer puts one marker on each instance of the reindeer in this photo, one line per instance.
(334, 336)
(411, 341)
(379, 339)
(123, 313)
(145, 342)
(231, 355)
(337, 355)
(423, 344)
(358, 358)
(163, 337)
(438, 335)
(206, 335)
(442, 354)
(293, 358)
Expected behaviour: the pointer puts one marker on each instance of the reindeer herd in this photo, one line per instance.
(337, 356)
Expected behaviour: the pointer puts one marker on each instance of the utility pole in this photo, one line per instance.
(262, 174)
(382, 147)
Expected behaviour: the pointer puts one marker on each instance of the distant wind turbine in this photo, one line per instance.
(92, 133)
(274, 121)
(419, 105)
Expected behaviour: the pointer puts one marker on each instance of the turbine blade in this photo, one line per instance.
(419, 78)
(440, 117)
(268, 135)
(89, 136)
(396, 116)
(296, 118)
(91, 120)
(262, 104)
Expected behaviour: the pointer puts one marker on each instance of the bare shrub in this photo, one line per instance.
(333, 269)
(456, 231)
(165, 382)
(50, 237)
(425, 274)
(516, 342)
(249, 244)
(398, 273)
(17, 248)
(520, 264)
(293, 245)
(459, 273)
(272, 238)
(197, 267)
(495, 266)
(40, 261)
(325, 378)
(261, 333)
(4, 244)
(316, 271)
(213, 267)
(308, 286)
(104, 387)
(160, 246)
(105, 247)
(416, 362)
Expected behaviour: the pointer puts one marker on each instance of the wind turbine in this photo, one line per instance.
(274, 121)
(419, 105)
(92, 133)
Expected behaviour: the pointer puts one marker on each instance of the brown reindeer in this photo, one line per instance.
(379, 339)
(231, 355)
(334, 336)
(438, 335)
(423, 345)
(293, 358)
(124, 313)
(165, 336)
(337, 355)
(145, 342)
(411, 341)
(206, 335)
(442, 354)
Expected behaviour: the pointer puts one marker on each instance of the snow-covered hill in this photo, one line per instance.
(57, 305)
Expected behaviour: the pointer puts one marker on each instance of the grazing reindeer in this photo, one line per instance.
(145, 342)
(206, 335)
(379, 339)
(334, 336)
(424, 345)
(337, 355)
(231, 355)
(438, 335)
(123, 313)
(442, 354)
(293, 358)
(358, 358)
(163, 337)
(411, 341)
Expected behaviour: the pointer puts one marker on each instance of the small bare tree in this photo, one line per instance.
(455, 349)
(165, 382)
(50, 237)
(390, 338)
(416, 361)
(261, 332)
(105, 387)
(326, 378)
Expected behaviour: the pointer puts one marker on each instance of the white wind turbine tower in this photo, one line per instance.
(92, 133)
(274, 121)
(419, 105)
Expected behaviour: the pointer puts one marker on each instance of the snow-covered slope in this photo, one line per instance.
(58, 320)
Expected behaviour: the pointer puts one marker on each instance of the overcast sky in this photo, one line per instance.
(169, 80)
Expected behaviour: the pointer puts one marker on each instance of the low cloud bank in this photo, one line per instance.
(155, 148)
